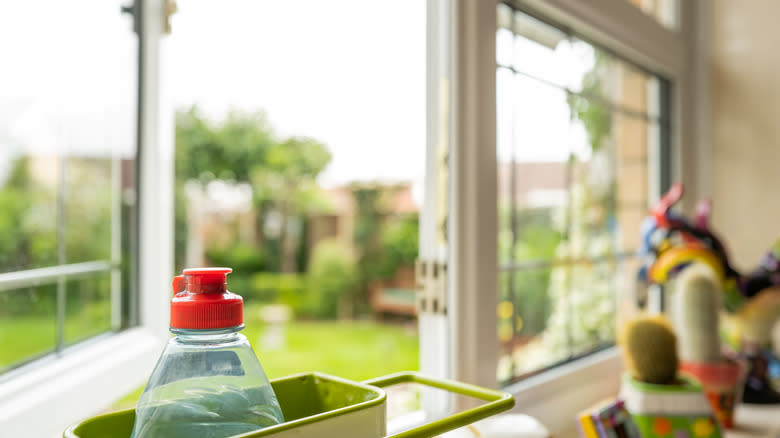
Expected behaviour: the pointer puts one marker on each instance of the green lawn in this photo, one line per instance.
(24, 337)
(354, 350)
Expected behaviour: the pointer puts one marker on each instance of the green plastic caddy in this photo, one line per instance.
(319, 405)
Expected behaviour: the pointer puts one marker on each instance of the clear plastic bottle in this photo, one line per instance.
(208, 382)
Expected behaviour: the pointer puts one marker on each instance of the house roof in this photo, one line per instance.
(536, 183)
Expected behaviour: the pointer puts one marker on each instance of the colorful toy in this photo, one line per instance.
(606, 420)
(670, 244)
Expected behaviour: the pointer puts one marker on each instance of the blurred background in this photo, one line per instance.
(309, 152)
(317, 217)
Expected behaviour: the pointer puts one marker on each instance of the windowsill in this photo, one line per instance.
(46, 396)
(556, 396)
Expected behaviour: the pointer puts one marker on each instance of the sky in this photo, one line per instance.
(337, 71)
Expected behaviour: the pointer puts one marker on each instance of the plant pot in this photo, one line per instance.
(722, 383)
(669, 410)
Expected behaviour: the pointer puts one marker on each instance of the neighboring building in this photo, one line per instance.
(339, 221)
(536, 184)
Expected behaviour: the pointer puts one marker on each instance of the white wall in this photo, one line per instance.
(745, 126)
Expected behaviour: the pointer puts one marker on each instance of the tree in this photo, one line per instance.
(243, 147)
(400, 245)
(287, 184)
(226, 149)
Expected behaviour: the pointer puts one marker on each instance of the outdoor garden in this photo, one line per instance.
(312, 266)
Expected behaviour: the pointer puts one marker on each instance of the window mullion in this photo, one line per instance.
(61, 299)
(473, 251)
(116, 243)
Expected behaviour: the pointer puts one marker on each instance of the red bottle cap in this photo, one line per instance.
(201, 300)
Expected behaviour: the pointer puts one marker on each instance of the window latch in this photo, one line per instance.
(134, 9)
(431, 278)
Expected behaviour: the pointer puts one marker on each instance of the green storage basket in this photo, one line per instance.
(319, 405)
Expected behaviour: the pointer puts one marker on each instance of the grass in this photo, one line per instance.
(24, 338)
(355, 350)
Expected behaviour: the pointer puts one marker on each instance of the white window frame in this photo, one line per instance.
(41, 399)
(87, 379)
(555, 396)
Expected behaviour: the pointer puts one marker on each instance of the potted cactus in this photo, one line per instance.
(660, 401)
(696, 315)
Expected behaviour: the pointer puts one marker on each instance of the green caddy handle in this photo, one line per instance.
(497, 402)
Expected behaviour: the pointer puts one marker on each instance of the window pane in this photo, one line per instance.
(540, 51)
(578, 150)
(88, 202)
(87, 307)
(28, 201)
(532, 321)
(69, 99)
(592, 302)
(28, 326)
(67, 173)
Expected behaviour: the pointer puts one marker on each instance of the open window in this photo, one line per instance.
(550, 126)
(74, 210)
(565, 123)
(67, 181)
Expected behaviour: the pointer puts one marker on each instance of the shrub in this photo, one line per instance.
(399, 245)
(246, 260)
(281, 288)
(332, 279)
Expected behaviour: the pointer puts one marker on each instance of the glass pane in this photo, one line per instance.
(543, 52)
(87, 307)
(28, 202)
(504, 41)
(67, 151)
(88, 194)
(68, 99)
(532, 326)
(28, 324)
(578, 150)
(592, 304)
(561, 61)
